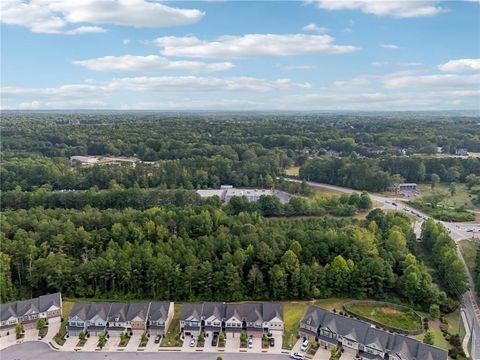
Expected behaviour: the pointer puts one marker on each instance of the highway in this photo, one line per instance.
(458, 232)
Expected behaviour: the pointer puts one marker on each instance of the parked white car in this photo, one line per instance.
(297, 356)
(192, 343)
(304, 346)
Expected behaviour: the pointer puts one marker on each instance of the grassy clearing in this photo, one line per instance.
(172, 337)
(438, 339)
(395, 318)
(469, 249)
(292, 171)
(462, 197)
(293, 313)
(332, 303)
(325, 191)
(454, 321)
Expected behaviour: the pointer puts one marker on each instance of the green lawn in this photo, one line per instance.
(332, 303)
(292, 171)
(387, 316)
(293, 313)
(462, 197)
(454, 321)
(171, 338)
(469, 252)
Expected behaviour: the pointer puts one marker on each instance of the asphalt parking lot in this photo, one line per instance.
(40, 351)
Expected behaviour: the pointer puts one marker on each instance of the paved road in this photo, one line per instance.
(40, 351)
(458, 232)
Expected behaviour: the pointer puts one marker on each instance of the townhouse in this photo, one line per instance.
(28, 311)
(116, 318)
(159, 317)
(255, 318)
(331, 329)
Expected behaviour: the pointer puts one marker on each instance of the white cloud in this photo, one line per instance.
(410, 64)
(251, 45)
(389, 46)
(164, 84)
(84, 30)
(296, 67)
(393, 8)
(126, 41)
(379, 63)
(315, 28)
(397, 81)
(54, 16)
(358, 81)
(149, 63)
(461, 65)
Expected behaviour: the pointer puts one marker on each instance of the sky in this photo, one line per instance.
(381, 55)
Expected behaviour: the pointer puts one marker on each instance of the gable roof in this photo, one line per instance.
(27, 307)
(191, 312)
(80, 310)
(215, 309)
(8, 310)
(272, 310)
(98, 309)
(117, 311)
(45, 302)
(137, 310)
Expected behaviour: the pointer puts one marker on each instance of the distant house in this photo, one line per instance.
(255, 318)
(227, 192)
(461, 152)
(160, 316)
(331, 329)
(408, 187)
(84, 160)
(29, 311)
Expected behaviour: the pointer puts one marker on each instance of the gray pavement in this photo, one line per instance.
(36, 350)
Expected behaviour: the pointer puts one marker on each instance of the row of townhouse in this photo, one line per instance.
(115, 318)
(28, 311)
(255, 318)
(370, 343)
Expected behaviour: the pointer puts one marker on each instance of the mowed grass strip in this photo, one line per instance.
(382, 314)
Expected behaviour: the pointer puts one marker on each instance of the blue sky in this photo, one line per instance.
(240, 55)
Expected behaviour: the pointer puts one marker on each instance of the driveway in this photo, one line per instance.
(186, 344)
(53, 328)
(71, 343)
(278, 344)
(232, 342)
(112, 343)
(322, 354)
(91, 344)
(30, 334)
(208, 343)
(134, 342)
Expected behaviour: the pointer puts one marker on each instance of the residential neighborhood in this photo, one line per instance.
(261, 325)
(256, 319)
(363, 339)
(116, 318)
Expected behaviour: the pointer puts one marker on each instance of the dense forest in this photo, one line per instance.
(201, 252)
(200, 151)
